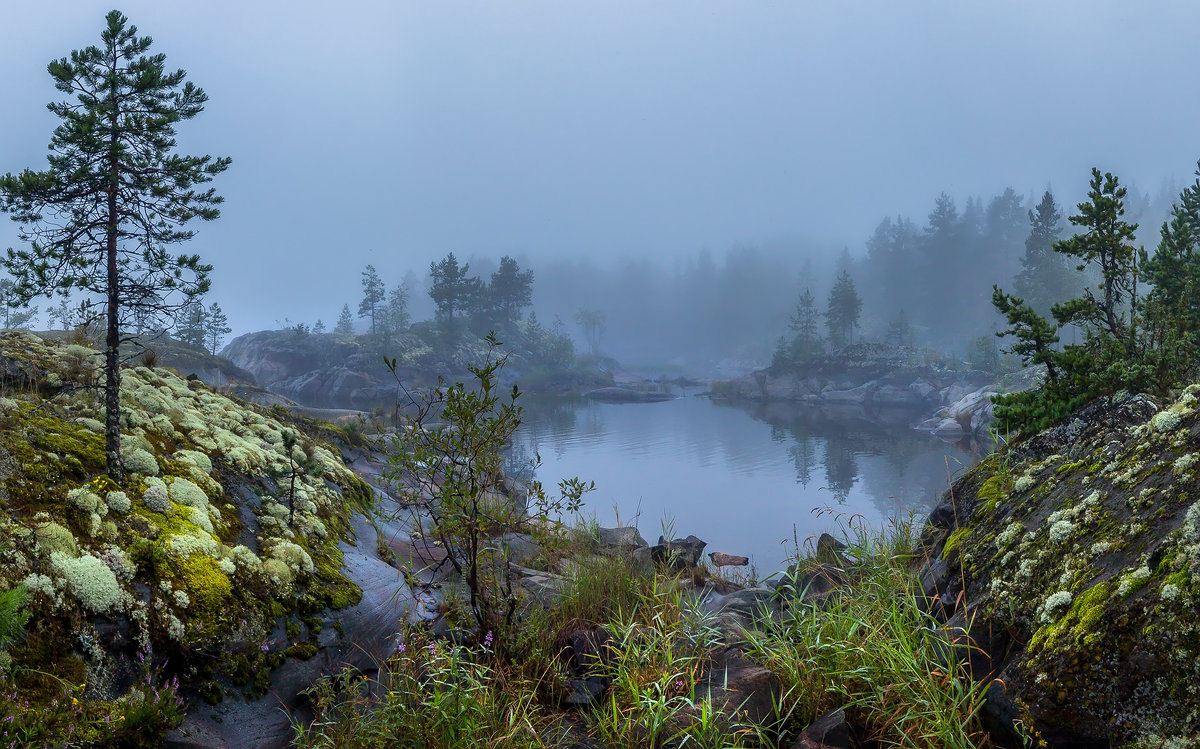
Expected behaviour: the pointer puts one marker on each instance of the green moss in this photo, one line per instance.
(301, 650)
(207, 587)
(1078, 625)
(995, 489)
(954, 541)
(211, 692)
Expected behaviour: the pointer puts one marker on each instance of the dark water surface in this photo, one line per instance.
(743, 479)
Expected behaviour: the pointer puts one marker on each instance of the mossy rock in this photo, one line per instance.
(1083, 545)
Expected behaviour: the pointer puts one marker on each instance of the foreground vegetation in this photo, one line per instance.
(866, 648)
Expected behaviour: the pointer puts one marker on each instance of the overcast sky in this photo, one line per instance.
(393, 132)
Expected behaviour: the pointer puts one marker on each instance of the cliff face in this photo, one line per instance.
(1069, 569)
(205, 565)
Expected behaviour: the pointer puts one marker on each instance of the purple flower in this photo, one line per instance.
(265, 647)
(487, 639)
(400, 646)
(433, 648)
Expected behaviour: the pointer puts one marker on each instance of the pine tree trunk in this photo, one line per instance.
(112, 353)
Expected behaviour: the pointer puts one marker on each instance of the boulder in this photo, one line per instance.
(625, 537)
(681, 553)
(830, 731)
(741, 689)
(749, 602)
(721, 559)
(1072, 577)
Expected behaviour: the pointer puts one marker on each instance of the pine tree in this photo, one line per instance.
(1107, 242)
(190, 324)
(115, 195)
(1045, 278)
(319, 327)
(842, 310)
(451, 289)
(806, 338)
(216, 327)
(372, 298)
(900, 331)
(16, 313)
(510, 290)
(394, 319)
(345, 323)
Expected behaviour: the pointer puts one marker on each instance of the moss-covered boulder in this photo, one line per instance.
(1073, 558)
(204, 566)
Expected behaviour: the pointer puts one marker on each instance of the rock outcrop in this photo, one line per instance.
(202, 566)
(869, 376)
(1068, 569)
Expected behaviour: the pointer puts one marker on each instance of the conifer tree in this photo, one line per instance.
(115, 195)
(345, 323)
(190, 324)
(15, 313)
(216, 327)
(510, 290)
(372, 298)
(451, 289)
(842, 310)
(806, 338)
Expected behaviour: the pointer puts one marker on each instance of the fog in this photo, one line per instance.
(673, 164)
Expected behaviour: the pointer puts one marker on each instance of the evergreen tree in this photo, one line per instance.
(114, 196)
(452, 290)
(900, 331)
(15, 311)
(63, 315)
(190, 324)
(319, 327)
(806, 338)
(1117, 353)
(395, 319)
(345, 323)
(1172, 306)
(216, 327)
(372, 297)
(510, 290)
(1106, 242)
(1045, 277)
(842, 310)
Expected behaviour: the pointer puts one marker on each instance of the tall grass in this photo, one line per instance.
(871, 649)
(868, 649)
(428, 696)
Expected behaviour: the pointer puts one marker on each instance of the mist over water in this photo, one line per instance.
(746, 482)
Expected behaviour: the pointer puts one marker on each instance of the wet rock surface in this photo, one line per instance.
(1067, 568)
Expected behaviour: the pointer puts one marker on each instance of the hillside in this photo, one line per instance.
(188, 582)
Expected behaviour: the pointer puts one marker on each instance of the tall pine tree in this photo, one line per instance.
(115, 195)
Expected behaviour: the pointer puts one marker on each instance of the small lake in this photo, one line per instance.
(748, 480)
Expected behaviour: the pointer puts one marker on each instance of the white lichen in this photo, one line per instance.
(118, 502)
(1052, 606)
(1023, 484)
(90, 580)
(156, 498)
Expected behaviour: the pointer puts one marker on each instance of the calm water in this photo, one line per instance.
(743, 480)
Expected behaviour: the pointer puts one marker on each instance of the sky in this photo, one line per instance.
(394, 132)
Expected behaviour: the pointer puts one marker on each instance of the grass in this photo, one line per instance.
(868, 649)
(871, 650)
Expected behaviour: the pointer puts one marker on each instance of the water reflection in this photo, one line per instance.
(741, 478)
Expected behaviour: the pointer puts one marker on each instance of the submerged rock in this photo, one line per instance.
(627, 395)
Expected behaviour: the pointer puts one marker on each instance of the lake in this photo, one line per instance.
(748, 480)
